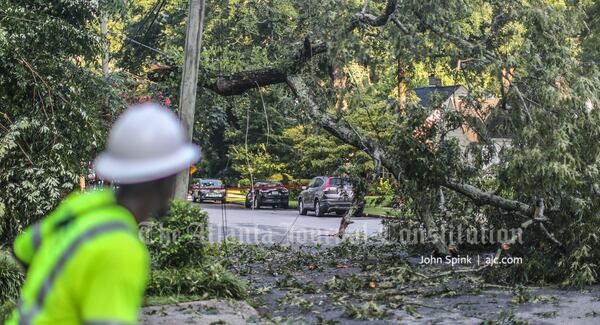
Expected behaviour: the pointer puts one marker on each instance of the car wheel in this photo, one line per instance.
(318, 211)
(247, 203)
(257, 203)
(285, 206)
(301, 207)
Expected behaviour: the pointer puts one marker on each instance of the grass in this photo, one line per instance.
(377, 211)
(235, 196)
(293, 204)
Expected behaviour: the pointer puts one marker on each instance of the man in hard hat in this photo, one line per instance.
(85, 262)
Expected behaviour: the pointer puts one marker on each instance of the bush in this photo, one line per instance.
(6, 309)
(11, 278)
(245, 182)
(179, 238)
(295, 191)
(213, 281)
(281, 177)
(383, 187)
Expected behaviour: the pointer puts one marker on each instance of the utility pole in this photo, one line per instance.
(189, 83)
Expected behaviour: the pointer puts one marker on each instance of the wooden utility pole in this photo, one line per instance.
(189, 83)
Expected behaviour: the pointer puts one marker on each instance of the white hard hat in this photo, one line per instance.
(146, 143)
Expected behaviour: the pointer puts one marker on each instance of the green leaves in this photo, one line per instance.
(209, 282)
(11, 277)
(179, 238)
(255, 164)
(52, 105)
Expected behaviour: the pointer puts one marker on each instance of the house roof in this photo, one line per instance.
(425, 93)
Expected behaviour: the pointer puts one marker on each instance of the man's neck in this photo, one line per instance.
(139, 210)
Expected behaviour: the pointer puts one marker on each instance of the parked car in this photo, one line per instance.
(326, 194)
(208, 190)
(272, 194)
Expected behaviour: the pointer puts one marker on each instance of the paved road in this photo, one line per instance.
(269, 226)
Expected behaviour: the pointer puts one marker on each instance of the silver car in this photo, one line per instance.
(209, 190)
(326, 194)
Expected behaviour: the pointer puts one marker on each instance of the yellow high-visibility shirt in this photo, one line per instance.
(86, 264)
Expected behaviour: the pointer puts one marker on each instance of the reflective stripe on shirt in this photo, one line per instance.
(27, 317)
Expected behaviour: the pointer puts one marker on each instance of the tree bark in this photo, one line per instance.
(356, 210)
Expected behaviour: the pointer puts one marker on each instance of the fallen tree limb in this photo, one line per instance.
(480, 197)
(238, 83)
(371, 147)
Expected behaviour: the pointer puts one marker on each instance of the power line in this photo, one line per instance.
(143, 45)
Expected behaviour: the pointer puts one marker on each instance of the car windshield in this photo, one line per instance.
(211, 183)
(339, 182)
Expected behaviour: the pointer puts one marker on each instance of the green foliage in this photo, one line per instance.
(382, 187)
(281, 177)
(52, 100)
(258, 165)
(212, 281)
(367, 311)
(6, 309)
(179, 238)
(319, 154)
(11, 278)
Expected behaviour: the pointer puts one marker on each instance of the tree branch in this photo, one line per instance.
(368, 19)
(480, 197)
(371, 147)
(239, 82)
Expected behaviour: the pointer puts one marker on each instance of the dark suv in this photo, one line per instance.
(209, 190)
(268, 193)
(326, 194)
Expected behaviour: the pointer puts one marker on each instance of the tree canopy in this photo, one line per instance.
(317, 84)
